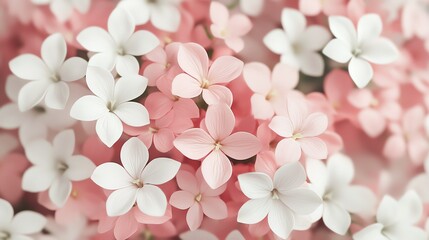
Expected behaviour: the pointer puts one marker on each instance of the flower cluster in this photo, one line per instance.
(229, 119)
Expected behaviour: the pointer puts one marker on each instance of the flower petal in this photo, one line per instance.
(79, 168)
(111, 176)
(141, 43)
(100, 82)
(134, 157)
(186, 86)
(105, 60)
(293, 23)
(372, 231)
(109, 129)
(314, 147)
(338, 51)
(29, 67)
(380, 51)
(32, 94)
(28, 222)
(151, 200)
(88, 108)
(289, 176)
(372, 122)
(257, 77)
(133, 114)
(302, 201)
(314, 125)
(60, 191)
(311, 63)
(287, 150)
(369, 27)
(387, 212)
(360, 71)
(182, 199)
(194, 217)
(214, 208)
(225, 69)
(127, 65)
(54, 50)
(410, 207)
(277, 41)
(38, 179)
(280, 220)
(216, 169)
(217, 94)
(73, 69)
(241, 145)
(193, 59)
(7, 213)
(96, 39)
(254, 210)
(57, 95)
(220, 121)
(255, 185)
(120, 25)
(282, 126)
(129, 87)
(121, 201)
(194, 143)
(343, 29)
(166, 17)
(160, 170)
(336, 218)
(40, 153)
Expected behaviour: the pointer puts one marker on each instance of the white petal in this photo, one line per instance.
(88, 108)
(160, 170)
(387, 212)
(360, 71)
(127, 65)
(64, 143)
(28, 222)
(311, 63)
(61, 9)
(277, 41)
(40, 153)
(166, 17)
(96, 39)
(29, 67)
(369, 27)
(289, 176)
(340, 170)
(111, 176)
(60, 190)
(151, 200)
(344, 30)
(100, 82)
(73, 69)
(13, 85)
(133, 114)
(372, 231)
(302, 201)
(410, 207)
(120, 25)
(7, 213)
(280, 219)
(252, 7)
(121, 201)
(106, 60)
(379, 51)
(32, 94)
(293, 23)
(54, 50)
(255, 185)
(357, 199)
(141, 43)
(254, 210)
(338, 51)
(314, 38)
(82, 5)
(109, 129)
(57, 95)
(336, 218)
(129, 87)
(134, 157)
(38, 179)
(79, 168)
(139, 10)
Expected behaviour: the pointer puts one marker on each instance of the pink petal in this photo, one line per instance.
(241, 145)
(261, 108)
(187, 182)
(287, 150)
(194, 217)
(193, 59)
(194, 143)
(214, 207)
(219, 14)
(282, 126)
(314, 147)
(217, 94)
(314, 125)
(257, 77)
(125, 226)
(225, 69)
(360, 98)
(239, 25)
(158, 104)
(163, 140)
(395, 147)
(284, 77)
(417, 149)
(186, 86)
(372, 122)
(220, 121)
(236, 44)
(413, 119)
(216, 169)
(337, 85)
(182, 199)
(297, 110)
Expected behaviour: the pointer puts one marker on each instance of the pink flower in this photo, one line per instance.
(300, 130)
(229, 28)
(217, 144)
(269, 88)
(163, 59)
(199, 198)
(200, 78)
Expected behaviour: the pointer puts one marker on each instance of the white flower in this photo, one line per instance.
(63, 9)
(280, 198)
(252, 7)
(297, 44)
(136, 181)
(118, 46)
(163, 14)
(360, 47)
(19, 226)
(55, 166)
(78, 228)
(203, 234)
(111, 105)
(49, 76)
(34, 123)
(395, 220)
(340, 198)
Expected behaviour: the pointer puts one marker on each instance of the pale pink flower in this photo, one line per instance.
(136, 181)
(229, 28)
(328, 7)
(200, 78)
(300, 130)
(269, 88)
(407, 138)
(163, 60)
(196, 196)
(215, 144)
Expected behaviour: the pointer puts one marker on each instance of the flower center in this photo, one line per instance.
(356, 52)
(198, 197)
(297, 136)
(374, 102)
(205, 83)
(275, 194)
(218, 145)
(328, 196)
(120, 51)
(138, 183)
(111, 106)
(55, 78)
(74, 193)
(270, 95)
(39, 109)
(62, 167)
(153, 130)
(152, 1)
(4, 235)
